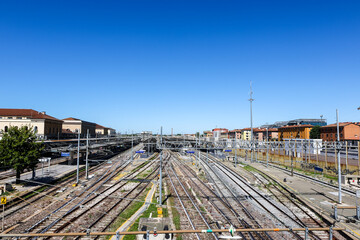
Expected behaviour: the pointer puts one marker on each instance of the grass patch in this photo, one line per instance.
(176, 217)
(140, 166)
(131, 209)
(249, 168)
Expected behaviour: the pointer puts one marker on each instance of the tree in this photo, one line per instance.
(315, 132)
(19, 150)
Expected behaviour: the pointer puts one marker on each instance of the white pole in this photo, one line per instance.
(235, 150)
(87, 156)
(132, 148)
(49, 159)
(338, 153)
(78, 159)
(160, 183)
(267, 147)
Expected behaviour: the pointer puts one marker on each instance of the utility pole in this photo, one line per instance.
(78, 159)
(338, 154)
(267, 147)
(132, 148)
(251, 122)
(160, 183)
(198, 162)
(87, 156)
(235, 160)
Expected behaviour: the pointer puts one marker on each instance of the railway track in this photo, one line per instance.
(227, 216)
(46, 207)
(281, 212)
(335, 187)
(105, 206)
(196, 218)
(296, 205)
(236, 203)
(46, 190)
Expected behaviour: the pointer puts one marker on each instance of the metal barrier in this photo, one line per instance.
(336, 207)
(231, 230)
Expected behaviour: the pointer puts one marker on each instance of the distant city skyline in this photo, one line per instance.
(137, 66)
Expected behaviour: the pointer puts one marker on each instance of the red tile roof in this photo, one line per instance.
(220, 129)
(100, 127)
(30, 113)
(341, 124)
(236, 130)
(71, 118)
(259, 130)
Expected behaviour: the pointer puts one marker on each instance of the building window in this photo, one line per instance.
(35, 129)
(10, 117)
(6, 129)
(19, 117)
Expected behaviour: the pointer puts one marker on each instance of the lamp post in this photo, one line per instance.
(267, 147)
(251, 123)
(337, 147)
(78, 159)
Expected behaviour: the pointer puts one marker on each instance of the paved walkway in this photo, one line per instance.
(55, 170)
(127, 224)
(319, 196)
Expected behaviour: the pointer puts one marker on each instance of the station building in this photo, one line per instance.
(45, 126)
(111, 132)
(101, 130)
(76, 125)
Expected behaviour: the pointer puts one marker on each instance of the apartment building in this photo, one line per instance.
(348, 132)
(295, 131)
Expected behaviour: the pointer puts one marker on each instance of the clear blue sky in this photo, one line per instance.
(138, 65)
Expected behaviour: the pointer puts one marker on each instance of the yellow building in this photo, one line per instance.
(246, 134)
(296, 131)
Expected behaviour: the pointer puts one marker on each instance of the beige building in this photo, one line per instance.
(101, 130)
(112, 132)
(75, 125)
(45, 126)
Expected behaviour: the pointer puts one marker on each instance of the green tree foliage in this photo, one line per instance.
(19, 150)
(315, 132)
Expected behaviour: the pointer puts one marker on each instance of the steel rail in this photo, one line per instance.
(74, 234)
(226, 204)
(102, 200)
(182, 204)
(238, 202)
(91, 193)
(77, 197)
(234, 174)
(192, 201)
